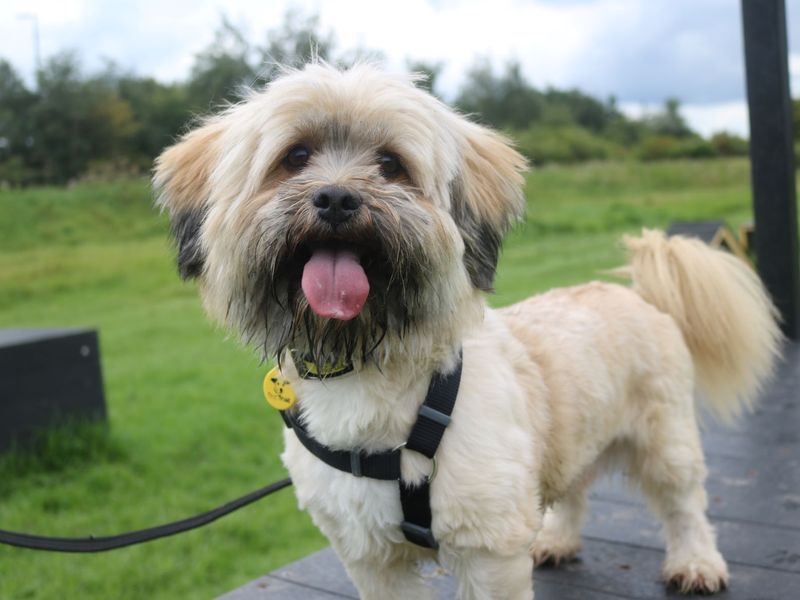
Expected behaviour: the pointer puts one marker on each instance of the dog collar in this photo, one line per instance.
(277, 389)
(426, 434)
(308, 369)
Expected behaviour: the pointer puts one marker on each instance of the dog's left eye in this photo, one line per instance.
(390, 165)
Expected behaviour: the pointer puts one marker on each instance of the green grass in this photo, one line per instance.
(189, 428)
(576, 216)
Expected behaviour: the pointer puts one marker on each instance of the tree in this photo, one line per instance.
(160, 111)
(296, 42)
(583, 110)
(619, 128)
(221, 70)
(430, 72)
(113, 121)
(15, 141)
(75, 120)
(231, 64)
(504, 101)
(15, 117)
(60, 116)
(669, 122)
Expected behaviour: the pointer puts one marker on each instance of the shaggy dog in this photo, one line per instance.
(352, 218)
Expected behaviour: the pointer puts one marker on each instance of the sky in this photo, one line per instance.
(641, 51)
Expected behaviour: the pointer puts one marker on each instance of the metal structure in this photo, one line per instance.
(37, 57)
(772, 156)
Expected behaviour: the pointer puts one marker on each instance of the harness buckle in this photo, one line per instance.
(434, 467)
(421, 536)
(434, 415)
(355, 463)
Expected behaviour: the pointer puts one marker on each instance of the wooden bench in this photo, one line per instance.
(47, 377)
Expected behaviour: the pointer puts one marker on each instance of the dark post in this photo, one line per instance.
(772, 155)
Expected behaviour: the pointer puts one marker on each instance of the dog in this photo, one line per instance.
(349, 218)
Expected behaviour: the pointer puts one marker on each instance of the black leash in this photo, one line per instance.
(102, 544)
(427, 432)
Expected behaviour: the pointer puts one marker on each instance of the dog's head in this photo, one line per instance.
(337, 212)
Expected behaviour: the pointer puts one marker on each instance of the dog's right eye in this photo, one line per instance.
(297, 157)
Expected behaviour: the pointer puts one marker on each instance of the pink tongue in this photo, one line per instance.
(335, 284)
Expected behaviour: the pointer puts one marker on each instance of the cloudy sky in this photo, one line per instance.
(642, 51)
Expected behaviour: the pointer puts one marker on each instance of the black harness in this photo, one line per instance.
(426, 434)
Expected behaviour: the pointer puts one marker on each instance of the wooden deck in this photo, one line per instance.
(754, 491)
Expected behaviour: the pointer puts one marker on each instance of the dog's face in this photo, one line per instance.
(339, 212)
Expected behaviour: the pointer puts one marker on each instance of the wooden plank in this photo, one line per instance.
(767, 433)
(772, 155)
(605, 570)
(703, 230)
(740, 543)
(308, 577)
(270, 587)
(321, 570)
(767, 493)
(633, 572)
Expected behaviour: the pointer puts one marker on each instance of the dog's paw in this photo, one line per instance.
(547, 550)
(706, 575)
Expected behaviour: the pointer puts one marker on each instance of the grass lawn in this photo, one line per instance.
(189, 428)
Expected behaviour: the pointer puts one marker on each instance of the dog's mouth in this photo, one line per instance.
(334, 281)
(337, 296)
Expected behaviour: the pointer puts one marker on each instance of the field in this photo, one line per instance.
(189, 428)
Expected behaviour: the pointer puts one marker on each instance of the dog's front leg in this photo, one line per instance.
(394, 579)
(486, 575)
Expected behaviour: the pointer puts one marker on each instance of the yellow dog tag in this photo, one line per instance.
(278, 391)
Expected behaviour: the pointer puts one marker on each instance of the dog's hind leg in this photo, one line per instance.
(669, 464)
(559, 540)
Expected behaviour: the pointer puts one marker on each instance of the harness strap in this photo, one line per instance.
(434, 414)
(417, 514)
(426, 434)
(382, 465)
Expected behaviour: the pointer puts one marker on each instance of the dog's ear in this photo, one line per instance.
(487, 198)
(181, 181)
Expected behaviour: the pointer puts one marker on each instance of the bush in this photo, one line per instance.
(14, 173)
(657, 148)
(695, 148)
(565, 144)
(111, 169)
(662, 147)
(728, 144)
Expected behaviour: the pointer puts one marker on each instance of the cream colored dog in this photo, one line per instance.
(353, 218)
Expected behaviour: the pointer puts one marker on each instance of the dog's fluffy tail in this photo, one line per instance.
(726, 317)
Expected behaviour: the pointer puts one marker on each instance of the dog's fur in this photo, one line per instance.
(554, 389)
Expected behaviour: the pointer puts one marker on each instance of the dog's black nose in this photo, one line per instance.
(335, 204)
